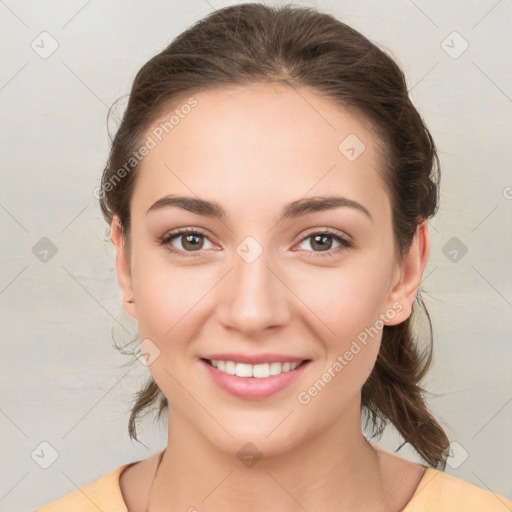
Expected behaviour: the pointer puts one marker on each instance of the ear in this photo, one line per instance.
(123, 267)
(409, 271)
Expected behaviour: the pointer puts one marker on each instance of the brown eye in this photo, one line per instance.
(192, 242)
(322, 242)
(184, 241)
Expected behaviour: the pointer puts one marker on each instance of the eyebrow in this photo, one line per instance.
(294, 209)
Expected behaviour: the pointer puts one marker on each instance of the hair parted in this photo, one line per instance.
(253, 43)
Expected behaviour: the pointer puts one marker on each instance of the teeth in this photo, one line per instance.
(230, 367)
(259, 371)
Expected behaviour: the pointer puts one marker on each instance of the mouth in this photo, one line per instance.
(257, 371)
(254, 382)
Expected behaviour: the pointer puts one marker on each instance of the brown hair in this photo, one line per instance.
(302, 47)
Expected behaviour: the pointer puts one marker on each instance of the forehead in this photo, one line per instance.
(260, 144)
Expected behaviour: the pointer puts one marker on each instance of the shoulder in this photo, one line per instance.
(446, 493)
(103, 494)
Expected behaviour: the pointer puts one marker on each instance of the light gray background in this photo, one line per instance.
(62, 381)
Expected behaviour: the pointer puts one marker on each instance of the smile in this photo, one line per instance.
(254, 382)
(259, 371)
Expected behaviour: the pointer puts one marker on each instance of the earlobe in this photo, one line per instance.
(123, 267)
(411, 270)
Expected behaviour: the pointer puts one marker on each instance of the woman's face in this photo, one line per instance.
(253, 282)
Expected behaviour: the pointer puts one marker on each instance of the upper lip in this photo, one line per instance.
(255, 358)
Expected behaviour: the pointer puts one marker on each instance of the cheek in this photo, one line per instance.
(347, 304)
(346, 300)
(172, 300)
(169, 309)
(351, 312)
(166, 296)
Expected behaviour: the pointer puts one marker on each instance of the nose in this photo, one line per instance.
(254, 297)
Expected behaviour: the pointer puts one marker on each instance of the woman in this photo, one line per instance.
(268, 193)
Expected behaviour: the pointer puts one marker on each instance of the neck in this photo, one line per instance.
(336, 469)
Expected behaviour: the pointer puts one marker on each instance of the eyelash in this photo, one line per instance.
(344, 243)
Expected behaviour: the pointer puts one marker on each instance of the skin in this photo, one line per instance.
(254, 149)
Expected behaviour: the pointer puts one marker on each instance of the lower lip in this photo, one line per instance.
(253, 388)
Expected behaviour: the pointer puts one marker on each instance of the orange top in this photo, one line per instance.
(437, 491)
